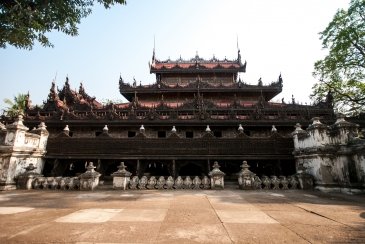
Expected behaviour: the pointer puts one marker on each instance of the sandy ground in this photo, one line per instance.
(152, 216)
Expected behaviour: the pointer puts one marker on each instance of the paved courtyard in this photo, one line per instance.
(229, 216)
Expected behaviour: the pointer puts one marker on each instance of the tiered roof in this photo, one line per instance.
(197, 65)
(200, 74)
(174, 97)
(68, 99)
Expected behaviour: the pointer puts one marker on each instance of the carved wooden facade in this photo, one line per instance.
(189, 96)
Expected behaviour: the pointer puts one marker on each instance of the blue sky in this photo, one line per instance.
(275, 37)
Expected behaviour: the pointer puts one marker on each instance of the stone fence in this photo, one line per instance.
(122, 180)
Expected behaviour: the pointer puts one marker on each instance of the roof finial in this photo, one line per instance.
(154, 48)
(55, 77)
(280, 79)
(238, 52)
(238, 48)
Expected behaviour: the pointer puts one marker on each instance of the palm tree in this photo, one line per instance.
(17, 106)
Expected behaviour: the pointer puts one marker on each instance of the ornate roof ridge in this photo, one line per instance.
(202, 84)
(198, 59)
(67, 98)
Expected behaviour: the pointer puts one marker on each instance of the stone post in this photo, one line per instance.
(305, 180)
(246, 178)
(121, 177)
(90, 179)
(216, 177)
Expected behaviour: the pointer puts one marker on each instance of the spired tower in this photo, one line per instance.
(197, 111)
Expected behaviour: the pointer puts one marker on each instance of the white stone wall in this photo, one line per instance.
(360, 166)
(18, 149)
(331, 154)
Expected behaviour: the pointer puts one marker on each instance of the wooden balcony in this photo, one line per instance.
(170, 148)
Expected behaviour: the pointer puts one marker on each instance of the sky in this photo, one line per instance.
(274, 37)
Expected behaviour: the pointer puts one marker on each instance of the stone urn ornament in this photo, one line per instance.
(205, 183)
(284, 183)
(160, 183)
(151, 182)
(275, 182)
(142, 183)
(188, 182)
(179, 183)
(266, 182)
(133, 183)
(197, 183)
(169, 184)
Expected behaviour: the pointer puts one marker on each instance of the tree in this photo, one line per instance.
(17, 106)
(24, 21)
(342, 71)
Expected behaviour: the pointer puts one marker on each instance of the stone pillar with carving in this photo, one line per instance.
(90, 179)
(307, 144)
(246, 179)
(19, 148)
(121, 177)
(330, 158)
(216, 177)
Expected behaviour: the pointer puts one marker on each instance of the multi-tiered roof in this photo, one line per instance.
(185, 91)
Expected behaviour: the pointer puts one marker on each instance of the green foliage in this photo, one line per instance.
(24, 21)
(342, 71)
(17, 106)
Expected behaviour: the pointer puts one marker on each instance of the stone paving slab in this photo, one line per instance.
(94, 215)
(328, 234)
(262, 233)
(185, 216)
(193, 216)
(245, 217)
(300, 217)
(192, 233)
(140, 215)
(13, 210)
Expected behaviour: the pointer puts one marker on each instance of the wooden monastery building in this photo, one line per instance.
(196, 112)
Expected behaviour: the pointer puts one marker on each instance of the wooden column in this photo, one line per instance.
(208, 166)
(173, 168)
(138, 168)
(279, 167)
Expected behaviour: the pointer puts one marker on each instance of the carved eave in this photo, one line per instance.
(276, 135)
(242, 135)
(173, 135)
(197, 65)
(141, 135)
(63, 134)
(207, 135)
(268, 91)
(198, 68)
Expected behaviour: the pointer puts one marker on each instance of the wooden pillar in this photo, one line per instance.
(279, 167)
(173, 168)
(138, 168)
(208, 166)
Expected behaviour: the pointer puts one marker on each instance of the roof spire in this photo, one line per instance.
(154, 48)
(238, 49)
(238, 52)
